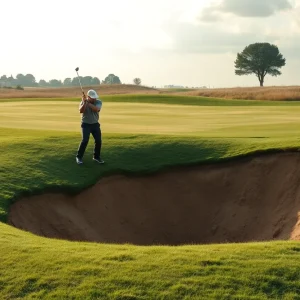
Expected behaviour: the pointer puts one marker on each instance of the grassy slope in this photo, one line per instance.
(38, 268)
(30, 266)
(39, 160)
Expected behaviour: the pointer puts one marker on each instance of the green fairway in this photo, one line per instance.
(38, 143)
(167, 99)
(162, 119)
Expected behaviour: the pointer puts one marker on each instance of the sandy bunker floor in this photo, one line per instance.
(252, 199)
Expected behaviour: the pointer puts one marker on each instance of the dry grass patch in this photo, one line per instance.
(66, 92)
(253, 93)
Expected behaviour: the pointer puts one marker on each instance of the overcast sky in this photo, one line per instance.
(190, 43)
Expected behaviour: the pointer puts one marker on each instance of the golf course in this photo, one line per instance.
(199, 198)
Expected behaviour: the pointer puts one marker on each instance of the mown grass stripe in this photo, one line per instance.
(170, 99)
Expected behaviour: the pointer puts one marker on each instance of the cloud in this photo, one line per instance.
(213, 38)
(297, 15)
(255, 8)
(210, 14)
(245, 8)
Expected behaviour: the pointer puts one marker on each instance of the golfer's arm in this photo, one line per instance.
(82, 107)
(94, 107)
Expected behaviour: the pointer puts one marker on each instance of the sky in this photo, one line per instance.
(170, 42)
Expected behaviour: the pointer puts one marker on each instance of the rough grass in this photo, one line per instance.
(254, 93)
(38, 268)
(36, 160)
(103, 89)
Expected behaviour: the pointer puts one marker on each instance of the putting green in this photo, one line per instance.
(136, 118)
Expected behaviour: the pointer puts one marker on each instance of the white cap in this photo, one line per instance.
(92, 94)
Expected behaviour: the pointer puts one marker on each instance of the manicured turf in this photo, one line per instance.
(40, 157)
(170, 99)
(137, 118)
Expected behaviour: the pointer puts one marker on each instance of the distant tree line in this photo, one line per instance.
(29, 80)
(20, 80)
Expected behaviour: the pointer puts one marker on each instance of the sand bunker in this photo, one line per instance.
(252, 199)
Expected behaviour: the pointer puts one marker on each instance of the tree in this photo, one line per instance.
(26, 80)
(3, 80)
(30, 80)
(10, 81)
(20, 78)
(259, 59)
(67, 82)
(137, 81)
(75, 81)
(112, 79)
(55, 83)
(86, 80)
(43, 83)
(95, 81)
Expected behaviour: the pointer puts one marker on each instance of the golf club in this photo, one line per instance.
(77, 69)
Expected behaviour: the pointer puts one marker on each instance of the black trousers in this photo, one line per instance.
(86, 130)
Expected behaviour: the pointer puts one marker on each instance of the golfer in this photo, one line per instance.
(90, 108)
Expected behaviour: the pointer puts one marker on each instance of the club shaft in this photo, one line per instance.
(80, 83)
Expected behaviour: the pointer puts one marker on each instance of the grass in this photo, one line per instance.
(38, 143)
(258, 93)
(164, 99)
(38, 161)
(48, 92)
(38, 268)
(175, 90)
(209, 118)
(291, 93)
(179, 135)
